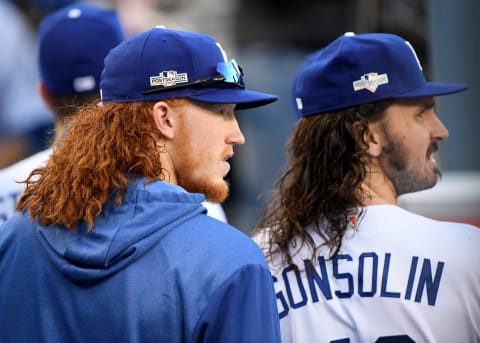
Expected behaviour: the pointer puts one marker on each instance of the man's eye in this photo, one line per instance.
(421, 113)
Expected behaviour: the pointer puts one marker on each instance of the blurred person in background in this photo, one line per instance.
(24, 119)
(73, 43)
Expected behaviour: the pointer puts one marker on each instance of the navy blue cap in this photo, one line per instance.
(73, 42)
(359, 69)
(164, 64)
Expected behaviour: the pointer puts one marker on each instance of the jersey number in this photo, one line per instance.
(384, 339)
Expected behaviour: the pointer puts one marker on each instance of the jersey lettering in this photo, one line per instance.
(346, 276)
(366, 260)
(383, 339)
(281, 302)
(425, 283)
(384, 288)
(315, 280)
(299, 298)
(8, 203)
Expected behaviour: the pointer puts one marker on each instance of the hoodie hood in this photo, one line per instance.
(121, 234)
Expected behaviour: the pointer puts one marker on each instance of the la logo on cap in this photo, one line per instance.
(370, 82)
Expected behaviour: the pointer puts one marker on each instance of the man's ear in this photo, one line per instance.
(164, 118)
(368, 138)
(45, 94)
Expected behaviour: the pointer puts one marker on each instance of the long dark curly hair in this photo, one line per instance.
(102, 146)
(320, 187)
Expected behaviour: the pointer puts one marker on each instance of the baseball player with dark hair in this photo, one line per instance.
(348, 264)
(111, 242)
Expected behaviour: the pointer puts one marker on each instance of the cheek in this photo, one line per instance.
(413, 139)
(420, 145)
(206, 129)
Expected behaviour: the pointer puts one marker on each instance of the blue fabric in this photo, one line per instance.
(154, 269)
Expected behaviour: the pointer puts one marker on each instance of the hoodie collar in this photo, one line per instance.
(121, 233)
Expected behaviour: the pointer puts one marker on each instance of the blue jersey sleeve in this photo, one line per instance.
(242, 310)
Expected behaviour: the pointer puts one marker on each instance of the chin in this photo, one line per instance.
(215, 192)
(433, 179)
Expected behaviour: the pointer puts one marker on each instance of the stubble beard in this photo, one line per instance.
(404, 177)
(214, 191)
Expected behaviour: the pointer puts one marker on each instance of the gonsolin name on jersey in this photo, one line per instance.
(297, 286)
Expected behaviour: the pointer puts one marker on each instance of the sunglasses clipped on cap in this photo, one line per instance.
(229, 73)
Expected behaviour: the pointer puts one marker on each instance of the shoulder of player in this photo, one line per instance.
(398, 216)
(222, 239)
(462, 236)
(455, 226)
(22, 168)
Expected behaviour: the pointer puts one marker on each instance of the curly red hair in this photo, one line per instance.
(102, 146)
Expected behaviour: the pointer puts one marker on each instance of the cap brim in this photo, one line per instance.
(432, 89)
(243, 98)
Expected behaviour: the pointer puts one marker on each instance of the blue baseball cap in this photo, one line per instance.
(358, 69)
(73, 42)
(164, 64)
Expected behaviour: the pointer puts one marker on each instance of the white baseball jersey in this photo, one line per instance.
(399, 277)
(10, 190)
(215, 210)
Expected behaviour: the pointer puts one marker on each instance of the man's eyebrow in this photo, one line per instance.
(429, 103)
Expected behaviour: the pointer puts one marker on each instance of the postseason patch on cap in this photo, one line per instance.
(370, 82)
(168, 78)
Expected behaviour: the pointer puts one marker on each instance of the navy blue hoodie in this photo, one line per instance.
(154, 269)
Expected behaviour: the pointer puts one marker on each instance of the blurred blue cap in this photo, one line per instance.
(163, 64)
(73, 43)
(358, 69)
(48, 5)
